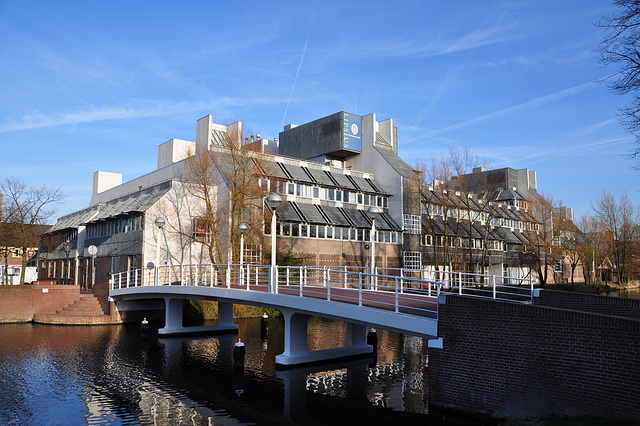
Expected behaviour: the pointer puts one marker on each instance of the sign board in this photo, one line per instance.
(352, 132)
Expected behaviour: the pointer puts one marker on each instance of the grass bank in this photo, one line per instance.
(201, 310)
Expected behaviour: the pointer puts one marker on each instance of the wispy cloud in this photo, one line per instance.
(295, 79)
(152, 109)
(479, 38)
(517, 108)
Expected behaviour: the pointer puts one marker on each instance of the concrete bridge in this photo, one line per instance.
(404, 302)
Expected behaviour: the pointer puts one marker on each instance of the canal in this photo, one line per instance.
(113, 375)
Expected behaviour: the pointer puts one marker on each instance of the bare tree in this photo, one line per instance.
(434, 182)
(539, 249)
(620, 47)
(226, 182)
(620, 221)
(467, 184)
(25, 208)
(589, 246)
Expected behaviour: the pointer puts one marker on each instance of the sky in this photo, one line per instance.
(88, 86)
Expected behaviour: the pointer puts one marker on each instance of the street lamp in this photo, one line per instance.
(159, 223)
(373, 210)
(274, 201)
(67, 248)
(242, 228)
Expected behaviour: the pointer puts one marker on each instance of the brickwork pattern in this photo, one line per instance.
(606, 305)
(512, 360)
(22, 303)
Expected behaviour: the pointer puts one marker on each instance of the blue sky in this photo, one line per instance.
(87, 86)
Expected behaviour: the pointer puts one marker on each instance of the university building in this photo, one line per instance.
(336, 175)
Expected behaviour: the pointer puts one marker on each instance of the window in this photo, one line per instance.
(316, 192)
(292, 188)
(331, 195)
(321, 231)
(428, 240)
(313, 231)
(412, 260)
(412, 224)
(200, 230)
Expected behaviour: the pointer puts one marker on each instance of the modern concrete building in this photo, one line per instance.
(336, 175)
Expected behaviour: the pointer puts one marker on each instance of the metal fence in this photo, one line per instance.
(398, 281)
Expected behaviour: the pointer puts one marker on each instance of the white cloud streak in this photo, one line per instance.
(514, 109)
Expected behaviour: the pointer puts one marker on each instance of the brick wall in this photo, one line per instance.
(524, 361)
(21, 303)
(606, 305)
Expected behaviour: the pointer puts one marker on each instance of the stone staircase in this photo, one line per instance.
(84, 311)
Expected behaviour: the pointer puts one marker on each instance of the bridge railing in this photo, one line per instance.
(400, 281)
(393, 291)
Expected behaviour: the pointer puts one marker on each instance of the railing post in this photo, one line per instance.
(228, 278)
(300, 281)
(288, 274)
(359, 288)
(459, 282)
(196, 283)
(493, 279)
(396, 289)
(169, 282)
(328, 281)
(211, 272)
(181, 275)
(401, 279)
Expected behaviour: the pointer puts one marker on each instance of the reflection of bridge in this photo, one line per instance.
(401, 303)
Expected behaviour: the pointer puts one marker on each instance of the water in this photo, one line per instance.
(70, 375)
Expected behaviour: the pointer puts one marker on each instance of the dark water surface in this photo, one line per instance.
(70, 375)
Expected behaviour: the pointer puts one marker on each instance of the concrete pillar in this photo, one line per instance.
(173, 319)
(225, 314)
(295, 343)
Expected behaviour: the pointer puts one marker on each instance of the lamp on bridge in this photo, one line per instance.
(373, 210)
(274, 201)
(159, 223)
(242, 228)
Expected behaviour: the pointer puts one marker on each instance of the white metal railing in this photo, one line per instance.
(319, 281)
(496, 287)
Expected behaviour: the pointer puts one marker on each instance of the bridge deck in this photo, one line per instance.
(413, 304)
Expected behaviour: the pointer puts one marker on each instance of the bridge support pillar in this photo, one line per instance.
(295, 343)
(173, 319)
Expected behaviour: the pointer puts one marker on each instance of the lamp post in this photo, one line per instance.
(67, 249)
(159, 223)
(373, 210)
(273, 200)
(242, 228)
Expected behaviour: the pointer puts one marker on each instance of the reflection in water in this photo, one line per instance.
(111, 375)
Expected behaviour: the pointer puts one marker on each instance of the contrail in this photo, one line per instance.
(534, 103)
(313, 18)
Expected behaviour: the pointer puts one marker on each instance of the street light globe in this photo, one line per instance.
(274, 200)
(160, 222)
(374, 210)
(243, 228)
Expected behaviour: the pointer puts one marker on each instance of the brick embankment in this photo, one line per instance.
(511, 360)
(583, 302)
(51, 304)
